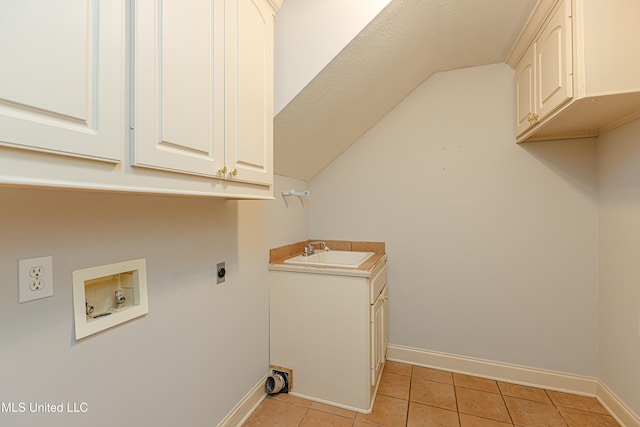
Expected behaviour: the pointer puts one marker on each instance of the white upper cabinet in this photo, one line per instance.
(179, 86)
(576, 70)
(249, 131)
(525, 104)
(204, 88)
(543, 75)
(62, 77)
(553, 62)
(172, 96)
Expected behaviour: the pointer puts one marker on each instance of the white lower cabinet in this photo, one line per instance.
(379, 332)
(331, 331)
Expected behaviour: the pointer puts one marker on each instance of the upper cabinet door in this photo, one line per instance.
(553, 51)
(249, 129)
(525, 104)
(179, 86)
(62, 77)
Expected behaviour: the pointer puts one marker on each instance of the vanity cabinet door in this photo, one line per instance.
(62, 77)
(379, 334)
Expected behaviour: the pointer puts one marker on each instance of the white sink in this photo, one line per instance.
(344, 259)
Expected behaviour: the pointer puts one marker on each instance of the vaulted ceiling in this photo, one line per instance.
(404, 45)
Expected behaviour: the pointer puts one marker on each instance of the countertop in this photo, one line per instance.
(366, 269)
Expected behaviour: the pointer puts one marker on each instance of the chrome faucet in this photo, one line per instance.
(309, 250)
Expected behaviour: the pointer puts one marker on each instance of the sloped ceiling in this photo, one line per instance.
(403, 46)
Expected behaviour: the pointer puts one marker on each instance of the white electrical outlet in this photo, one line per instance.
(35, 278)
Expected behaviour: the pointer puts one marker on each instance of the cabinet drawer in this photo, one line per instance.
(377, 283)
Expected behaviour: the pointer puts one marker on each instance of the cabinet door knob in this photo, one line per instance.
(532, 117)
(233, 172)
(222, 170)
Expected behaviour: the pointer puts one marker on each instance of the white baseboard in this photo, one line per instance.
(495, 370)
(524, 375)
(246, 406)
(621, 412)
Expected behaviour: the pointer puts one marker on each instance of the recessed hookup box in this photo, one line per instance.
(108, 295)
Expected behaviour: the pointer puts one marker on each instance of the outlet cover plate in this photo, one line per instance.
(35, 278)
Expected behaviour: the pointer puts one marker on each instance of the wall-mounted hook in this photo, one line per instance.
(293, 192)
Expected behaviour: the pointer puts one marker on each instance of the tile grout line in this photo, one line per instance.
(409, 398)
(455, 395)
(406, 418)
(303, 417)
(513, 423)
(546, 392)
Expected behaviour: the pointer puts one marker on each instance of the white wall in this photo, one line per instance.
(492, 245)
(288, 217)
(200, 349)
(309, 34)
(619, 185)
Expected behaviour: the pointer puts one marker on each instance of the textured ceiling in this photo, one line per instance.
(403, 46)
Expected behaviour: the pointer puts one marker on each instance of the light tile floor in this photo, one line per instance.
(416, 396)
